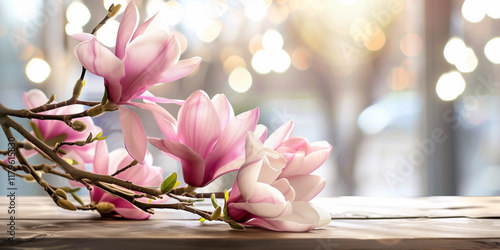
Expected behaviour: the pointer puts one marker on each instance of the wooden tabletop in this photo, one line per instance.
(357, 223)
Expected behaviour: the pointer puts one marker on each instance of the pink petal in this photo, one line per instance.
(306, 186)
(193, 166)
(150, 97)
(265, 193)
(231, 144)
(34, 98)
(101, 159)
(155, 109)
(199, 125)
(281, 134)
(125, 209)
(284, 187)
(263, 209)
(82, 37)
(224, 108)
(304, 218)
(100, 61)
(81, 165)
(140, 30)
(133, 134)
(127, 26)
(261, 132)
(181, 69)
(147, 58)
(294, 144)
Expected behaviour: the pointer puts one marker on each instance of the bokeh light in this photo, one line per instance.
(492, 50)
(72, 29)
(399, 79)
(37, 70)
(467, 61)
(255, 10)
(261, 62)
(473, 10)
(78, 14)
(411, 44)
(209, 30)
(272, 40)
(280, 61)
(255, 44)
(450, 85)
(107, 33)
(301, 59)
(240, 80)
(453, 49)
(233, 62)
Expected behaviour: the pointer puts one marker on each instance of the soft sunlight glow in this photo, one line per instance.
(208, 30)
(78, 14)
(450, 85)
(260, 62)
(374, 119)
(255, 10)
(108, 3)
(37, 70)
(195, 14)
(107, 33)
(24, 9)
(174, 12)
(280, 61)
(272, 40)
(376, 41)
(399, 79)
(467, 61)
(73, 29)
(473, 10)
(255, 44)
(347, 2)
(492, 50)
(301, 58)
(153, 6)
(240, 80)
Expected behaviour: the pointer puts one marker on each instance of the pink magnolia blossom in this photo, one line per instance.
(141, 174)
(144, 56)
(265, 196)
(54, 131)
(208, 140)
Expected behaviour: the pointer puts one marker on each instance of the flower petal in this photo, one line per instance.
(142, 28)
(133, 134)
(181, 69)
(193, 166)
(224, 108)
(34, 98)
(199, 124)
(281, 134)
(100, 61)
(101, 159)
(155, 109)
(125, 208)
(150, 97)
(231, 144)
(269, 210)
(261, 132)
(306, 186)
(147, 58)
(82, 37)
(127, 26)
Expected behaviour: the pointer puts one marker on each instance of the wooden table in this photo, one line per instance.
(357, 223)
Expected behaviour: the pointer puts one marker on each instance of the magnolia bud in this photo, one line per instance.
(66, 204)
(52, 98)
(96, 110)
(113, 10)
(77, 90)
(105, 207)
(61, 193)
(28, 146)
(29, 178)
(79, 126)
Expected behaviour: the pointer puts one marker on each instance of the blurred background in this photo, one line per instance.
(407, 91)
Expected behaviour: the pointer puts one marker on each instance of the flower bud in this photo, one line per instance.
(61, 193)
(66, 204)
(29, 178)
(113, 10)
(52, 98)
(79, 126)
(95, 111)
(77, 90)
(28, 146)
(105, 207)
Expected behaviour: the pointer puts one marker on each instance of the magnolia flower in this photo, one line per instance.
(141, 174)
(208, 139)
(54, 131)
(302, 158)
(144, 56)
(261, 198)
